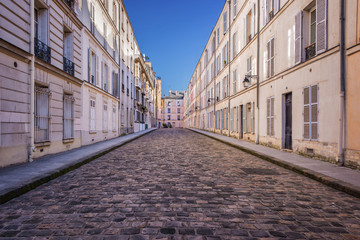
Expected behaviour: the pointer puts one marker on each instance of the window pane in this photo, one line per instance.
(314, 114)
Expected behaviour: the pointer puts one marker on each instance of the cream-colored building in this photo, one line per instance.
(272, 78)
(172, 110)
(67, 76)
(41, 69)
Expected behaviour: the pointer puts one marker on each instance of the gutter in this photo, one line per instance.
(341, 157)
(32, 83)
(257, 115)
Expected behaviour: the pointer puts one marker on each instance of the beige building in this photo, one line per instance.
(67, 76)
(273, 78)
(172, 110)
(40, 73)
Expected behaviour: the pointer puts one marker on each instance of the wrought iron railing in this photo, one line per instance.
(69, 66)
(42, 51)
(310, 51)
(70, 3)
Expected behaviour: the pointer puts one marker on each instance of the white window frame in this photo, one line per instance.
(92, 113)
(42, 114)
(68, 117)
(310, 105)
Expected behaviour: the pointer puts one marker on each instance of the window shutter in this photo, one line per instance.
(321, 26)
(102, 83)
(244, 118)
(96, 68)
(252, 116)
(231, 120)
(264, 9)
(299, 38)
(253, 21)
(272, 112)
(89, 64)
(244, 33)
(237, 119)
(44, 26)
(268, 115)
(276, 6)
(306, 113)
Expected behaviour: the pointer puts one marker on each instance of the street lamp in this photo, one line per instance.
(247, 80)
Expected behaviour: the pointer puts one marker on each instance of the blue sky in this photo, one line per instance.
(173, 33)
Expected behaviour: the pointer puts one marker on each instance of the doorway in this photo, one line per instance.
(287, 121)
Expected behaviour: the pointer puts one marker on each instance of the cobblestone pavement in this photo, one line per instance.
(176, 184)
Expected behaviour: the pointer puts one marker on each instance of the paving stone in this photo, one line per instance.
(173, 184)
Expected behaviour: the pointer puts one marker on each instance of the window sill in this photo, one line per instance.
(68, 140)
(105, 131)
(92, 132)
(43, 144)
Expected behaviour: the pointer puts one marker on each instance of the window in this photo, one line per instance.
(270, 9)
(234, 8)
(231, 120)
(270, 58)
(235, 46)
(68, 65)
(234, 81)
(169, 110)
(122, 114)
(92, 18)
(122, 81)
(178, 110)
(105, 118)
(218, 36)
(168, 117)
(249, 25)
(91, 67)
(178, 117)
(114, 119)
(106, 78)
(225, 22)
(42, 114)
(68, 130)
(225, 85)
(42, 50)
(178, 103)
(311, 112)
(270, 116)
(311, 31)
(249, 68)
(169, 103)
(115, 84)
(92, 115)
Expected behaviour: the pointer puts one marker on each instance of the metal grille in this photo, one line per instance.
(42, 114)
(42, 50)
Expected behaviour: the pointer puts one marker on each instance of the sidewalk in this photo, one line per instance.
(19, 179)
(340, 178)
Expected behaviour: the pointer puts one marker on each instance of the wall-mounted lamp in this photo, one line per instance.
(247, 80)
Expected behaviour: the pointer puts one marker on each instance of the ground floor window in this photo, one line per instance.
(68, 117)
(92, 115)
(270, 116)
(42, 114)
(311, 112)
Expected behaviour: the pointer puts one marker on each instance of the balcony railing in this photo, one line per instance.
(70, 3)
(310, 51)
(42, 51)
(68, 66)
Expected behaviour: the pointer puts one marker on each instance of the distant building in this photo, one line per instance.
(172, 109)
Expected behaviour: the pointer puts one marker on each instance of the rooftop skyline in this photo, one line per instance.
(173, 35)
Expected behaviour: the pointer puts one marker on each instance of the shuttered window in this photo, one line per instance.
(270, 62)
(68, 131)
(92, 115)
(234, 81)
(270, 116)
(105, 118)
(311, 112)
(234, 8)
(321, 26)
(299, 38)
(225, 22)
(114, 118)
(244, 108)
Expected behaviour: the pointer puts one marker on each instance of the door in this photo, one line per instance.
(288, 121)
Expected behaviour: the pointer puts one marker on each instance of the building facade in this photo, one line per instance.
(173, 109)
(67, 76)
(270, 73)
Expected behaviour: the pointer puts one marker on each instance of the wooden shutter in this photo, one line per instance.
(244, 33)
(102, 83)
(268, 110)
(253, 21)
(252, 117)
(244, 118)
(231, 119)
(225, 22)
(314, 112)
(299, 38)
(272, 113)
(264, 10)
(89, 65)
(307, 113)
(321, 26)
(276, 6)
(96, 70)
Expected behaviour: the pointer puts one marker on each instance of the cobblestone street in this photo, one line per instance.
(177, 184)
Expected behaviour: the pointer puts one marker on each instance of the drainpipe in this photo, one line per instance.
(32, 83)
(214, 96)
(257, 74)
(341, 157)
(228, 87)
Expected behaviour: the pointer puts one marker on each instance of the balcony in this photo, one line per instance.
(68, 66)
(138, 83)
(70, 3)
(310, 51)
(42, 51)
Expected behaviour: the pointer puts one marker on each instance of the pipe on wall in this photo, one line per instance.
(257, 74)
(341, 157)
(32, 83)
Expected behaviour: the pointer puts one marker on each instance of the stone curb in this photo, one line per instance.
(326, 180)
(36, 182)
